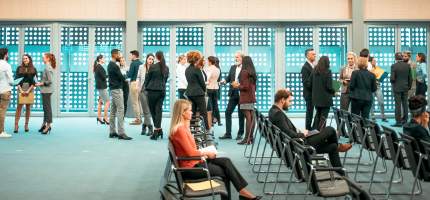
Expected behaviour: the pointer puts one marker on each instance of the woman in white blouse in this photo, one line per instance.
(180, 75)
(213, 72)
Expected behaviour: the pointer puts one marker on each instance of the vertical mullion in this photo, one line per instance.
(173, 66)
(90, 78)
(279, 57)
(316, 40)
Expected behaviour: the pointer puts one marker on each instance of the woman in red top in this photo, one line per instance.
(184, 145)
(246, 85)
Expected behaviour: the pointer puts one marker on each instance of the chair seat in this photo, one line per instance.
(221, 190)
(331, 185)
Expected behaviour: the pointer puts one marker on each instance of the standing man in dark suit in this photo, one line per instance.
(401, 82)
(307, 91)
(233, 101)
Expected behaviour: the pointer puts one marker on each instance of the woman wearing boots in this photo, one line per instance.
(143, 69)
(28, 72)
(247, 85)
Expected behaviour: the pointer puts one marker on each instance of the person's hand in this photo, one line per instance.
(235, 84)
(39, 84)
(210, 155)
(305, 132)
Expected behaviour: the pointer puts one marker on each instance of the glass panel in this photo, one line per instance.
(261, 42)
(333, 43)
(297, 40)
(158, 39)
(382, 47)
(413, 40)
(9, 38)
(74, 69)
(37, 41)
(106, 39)
(228, 40)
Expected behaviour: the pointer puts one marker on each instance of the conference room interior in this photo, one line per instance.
(77, 159)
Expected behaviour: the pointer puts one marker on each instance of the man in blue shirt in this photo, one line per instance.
(134, 87)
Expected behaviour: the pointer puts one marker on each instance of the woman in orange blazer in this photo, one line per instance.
(185, 146)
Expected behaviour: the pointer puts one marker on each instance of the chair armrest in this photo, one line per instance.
(194, 169)
(191, 158)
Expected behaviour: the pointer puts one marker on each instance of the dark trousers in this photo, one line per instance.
(47, 109)
(361, 107)
(181, 93)
(125, 92)
(199, 105)
(320, 117)
(309, 114)
(326, 142)
(233, 101)
(344, 101)
(421, 88)
(401, 106)
(223, 168)
(155, 102)
(213, 98)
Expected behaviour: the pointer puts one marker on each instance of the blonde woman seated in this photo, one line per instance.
(185, 146)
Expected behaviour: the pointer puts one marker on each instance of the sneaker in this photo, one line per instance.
(5, 135)
(226, 136)
(344, 147)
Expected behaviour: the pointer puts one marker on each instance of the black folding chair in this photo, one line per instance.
(182, 190)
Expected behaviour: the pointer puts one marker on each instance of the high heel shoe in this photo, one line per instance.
(246, 198)
(16, 128)
(106, 121)
(26, 128)
(101, 121)
(42, 128)
(157, 133)
(46, 131)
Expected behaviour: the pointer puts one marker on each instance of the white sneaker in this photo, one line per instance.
(5, 135)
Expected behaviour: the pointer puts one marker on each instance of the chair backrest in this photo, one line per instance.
(346, 116)
(304, 154)
(393, 143)
(375, 133)
(175, 165)
(414, 154)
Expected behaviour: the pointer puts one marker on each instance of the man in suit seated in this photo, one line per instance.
(324, 141)
(418, 126)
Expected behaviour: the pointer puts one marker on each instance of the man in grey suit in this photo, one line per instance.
(401, 82)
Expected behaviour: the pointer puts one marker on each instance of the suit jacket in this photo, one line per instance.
(281, 120)
(322, 89)
(196, 81)
(100, 77)
(401, 78)
(155, 79)
(47, 80)
(247, 88)
(230, 78)
(363, 84)
(306, 74)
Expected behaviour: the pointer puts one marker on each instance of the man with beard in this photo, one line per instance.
(324, 141)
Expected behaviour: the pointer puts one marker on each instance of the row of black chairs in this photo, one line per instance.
(383, 144)
(275, 153)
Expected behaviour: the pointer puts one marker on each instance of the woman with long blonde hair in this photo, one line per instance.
(184, 145)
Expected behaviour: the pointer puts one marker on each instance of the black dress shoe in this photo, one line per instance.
(113, 135)
(224, 137)
(124, 137)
